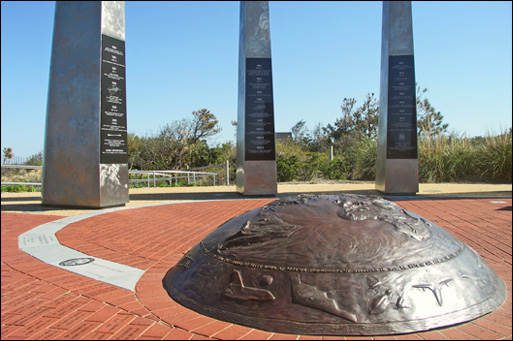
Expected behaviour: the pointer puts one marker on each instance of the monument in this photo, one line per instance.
(332, 264)
(397, 166)
(335, 265)
(85, 153)
(256, 154)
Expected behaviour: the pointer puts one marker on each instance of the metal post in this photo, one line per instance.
(227, 167)
(397, 164)
(86, 86)
(256, 152)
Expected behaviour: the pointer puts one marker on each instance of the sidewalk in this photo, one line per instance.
(40, 301)
(30, 202)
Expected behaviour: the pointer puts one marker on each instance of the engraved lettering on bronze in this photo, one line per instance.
(310, 296)
(256, 238)
(436, 289)
(322, 270)
(238, 291)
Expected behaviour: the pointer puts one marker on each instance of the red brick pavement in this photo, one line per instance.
(40, 301)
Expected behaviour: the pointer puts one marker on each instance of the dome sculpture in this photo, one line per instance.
(335, 265)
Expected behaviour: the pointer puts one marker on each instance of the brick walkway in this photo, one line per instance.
(40, 301)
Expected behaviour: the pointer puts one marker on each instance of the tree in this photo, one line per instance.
(356, 122)
(345, 124)
(133, 145)
(178, 145)
(8, 155)
(320, 141)
(314, 141)
(300, 133)
(429, 121)
(370, 112)
(203, 125)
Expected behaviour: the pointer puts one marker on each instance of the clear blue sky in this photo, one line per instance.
(182, 56)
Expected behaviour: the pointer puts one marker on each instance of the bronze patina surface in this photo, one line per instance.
(335, 265)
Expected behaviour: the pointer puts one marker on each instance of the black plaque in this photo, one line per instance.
(113, 139)
(259, 127)
(402, 109)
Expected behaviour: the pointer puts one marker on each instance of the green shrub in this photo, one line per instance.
(310, 166)
(19, 188)
(287, 167)
(335, 169)
(365, 165)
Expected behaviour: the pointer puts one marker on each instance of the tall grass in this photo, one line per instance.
(445, 159)
(494, 160)
(451, 159)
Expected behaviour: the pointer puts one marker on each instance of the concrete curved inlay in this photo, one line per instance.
(42, 243)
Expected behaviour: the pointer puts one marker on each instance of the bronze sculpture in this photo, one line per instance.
(335, 265)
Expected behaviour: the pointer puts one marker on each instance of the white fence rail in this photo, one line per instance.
(22, 166)
(226, 166)
(170, 175)
(21, 183)
(192, 175)
(15, 160)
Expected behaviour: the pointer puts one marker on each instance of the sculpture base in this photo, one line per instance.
(257, 178)
(335, 265)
